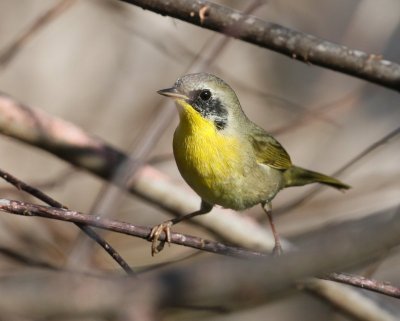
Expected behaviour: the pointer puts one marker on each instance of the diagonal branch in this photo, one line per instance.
(291, 43)
(85, 229)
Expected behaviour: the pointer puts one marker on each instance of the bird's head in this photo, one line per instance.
(207, 95)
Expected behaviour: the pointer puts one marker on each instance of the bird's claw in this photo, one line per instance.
(277, 250)
(155, 234)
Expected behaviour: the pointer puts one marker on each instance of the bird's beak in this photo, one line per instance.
(172, 93)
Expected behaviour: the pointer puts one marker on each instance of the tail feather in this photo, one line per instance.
(297, 176)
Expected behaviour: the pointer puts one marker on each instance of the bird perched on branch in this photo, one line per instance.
(226, 158)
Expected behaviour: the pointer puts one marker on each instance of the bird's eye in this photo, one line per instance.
(205, 94)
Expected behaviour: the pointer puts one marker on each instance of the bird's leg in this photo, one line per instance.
(267, 207)
(166, 228)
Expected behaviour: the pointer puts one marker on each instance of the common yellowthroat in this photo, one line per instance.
(226, 158)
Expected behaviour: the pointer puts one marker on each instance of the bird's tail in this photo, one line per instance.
(297, 176)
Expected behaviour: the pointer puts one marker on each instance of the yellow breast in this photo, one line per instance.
(208, 160)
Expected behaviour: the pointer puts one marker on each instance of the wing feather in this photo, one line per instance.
(269, 151)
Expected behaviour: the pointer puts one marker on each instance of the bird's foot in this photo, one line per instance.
(155, 233)
(277, 250)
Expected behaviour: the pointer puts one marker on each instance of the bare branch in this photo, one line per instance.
(27, 209)
(295, 44)
(210, 280)
(86, 229)
(364, 283)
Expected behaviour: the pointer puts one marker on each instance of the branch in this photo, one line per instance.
(63, 214)
(209, 280)
(85, 229)
(27, 209)
(364, 283)
(291, 43)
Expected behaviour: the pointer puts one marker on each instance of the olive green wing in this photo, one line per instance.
(268, 150)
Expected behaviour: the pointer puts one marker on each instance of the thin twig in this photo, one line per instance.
(295, 44)
(365, 283)
(52, 202)
(11, 51)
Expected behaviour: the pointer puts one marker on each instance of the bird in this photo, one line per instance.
(226, 158)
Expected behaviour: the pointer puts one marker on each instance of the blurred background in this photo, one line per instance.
(99, 65)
